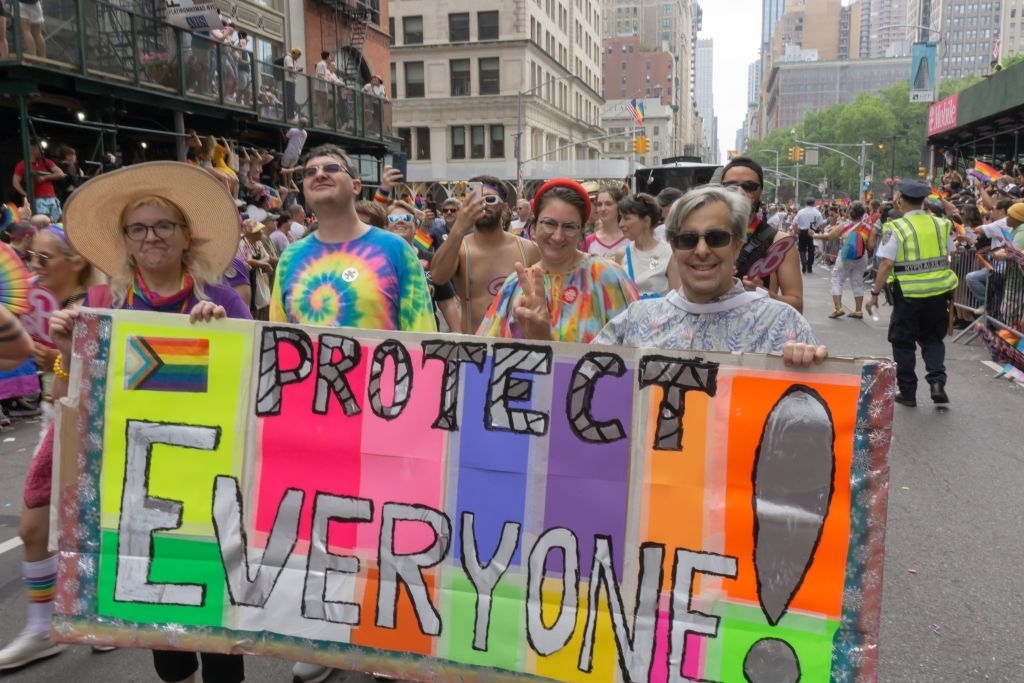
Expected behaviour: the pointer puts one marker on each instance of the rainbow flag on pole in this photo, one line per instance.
(637, 110)
(423, 240)
(990, 172)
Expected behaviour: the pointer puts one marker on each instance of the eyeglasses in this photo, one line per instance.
(40, 257)
(492, 199)
(715, 239)
(329, 169)
(401, 218)
(137, 232)
(450, 209)
(746, 185)
(569, 229)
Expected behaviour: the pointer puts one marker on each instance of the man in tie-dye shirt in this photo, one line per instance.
(347, 273)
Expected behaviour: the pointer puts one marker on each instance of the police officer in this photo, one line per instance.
(914, 258)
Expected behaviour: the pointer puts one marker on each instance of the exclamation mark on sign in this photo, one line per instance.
(794, 469)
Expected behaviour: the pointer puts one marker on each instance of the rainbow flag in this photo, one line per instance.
(938, 194)
(423, 240)
(990, 172)
(162, 364)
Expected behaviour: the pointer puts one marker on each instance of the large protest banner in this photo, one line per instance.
(454, 508)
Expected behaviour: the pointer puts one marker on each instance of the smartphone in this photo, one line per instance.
(476, 188)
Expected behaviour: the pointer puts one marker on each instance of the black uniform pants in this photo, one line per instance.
(918, 322)
(217, 668)
(805, 243)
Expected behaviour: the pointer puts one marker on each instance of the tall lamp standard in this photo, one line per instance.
(776, 200)
(519, 122)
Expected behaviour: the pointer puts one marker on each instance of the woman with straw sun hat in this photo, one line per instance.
(164, 232)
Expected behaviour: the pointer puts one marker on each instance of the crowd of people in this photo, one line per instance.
(706, 270)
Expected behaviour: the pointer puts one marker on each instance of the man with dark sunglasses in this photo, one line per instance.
(478, 263)
(745, 176)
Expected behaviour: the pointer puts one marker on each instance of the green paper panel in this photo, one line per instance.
(175, 560)
(506, 627)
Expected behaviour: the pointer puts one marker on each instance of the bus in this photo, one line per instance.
(683, 173)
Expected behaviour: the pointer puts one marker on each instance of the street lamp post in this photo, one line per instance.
(519, 123)
(776, 173)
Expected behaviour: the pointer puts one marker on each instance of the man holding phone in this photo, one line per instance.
(478, 263)
(43, 172)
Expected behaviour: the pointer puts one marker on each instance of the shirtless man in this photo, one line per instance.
(477, 262)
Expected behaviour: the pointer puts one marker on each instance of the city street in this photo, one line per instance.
(952, 604)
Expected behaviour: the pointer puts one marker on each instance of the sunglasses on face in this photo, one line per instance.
(400, 218)
(715, 239)
(450, 210)
(39, 257)
(329, 169)
(137, 232)
(746, 185)
(551, 225)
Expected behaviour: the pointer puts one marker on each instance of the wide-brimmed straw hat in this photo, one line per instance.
(92, 216)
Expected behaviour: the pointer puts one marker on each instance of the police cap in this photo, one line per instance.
(914, 189)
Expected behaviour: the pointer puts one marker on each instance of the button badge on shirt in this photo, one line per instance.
(349, 274)
(570, 295)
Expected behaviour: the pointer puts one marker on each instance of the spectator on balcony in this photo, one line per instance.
(5, 12)
(321, 87)
(73, 174)
(32, 27)
(296, 138)
(291, 67)
(44, 172)
(376, 87)
(243, 61)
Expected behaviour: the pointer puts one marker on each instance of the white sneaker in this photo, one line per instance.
(310, 673)
(28, 647)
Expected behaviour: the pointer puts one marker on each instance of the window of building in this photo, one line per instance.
(414, 79)
(406, 146)
(391, 29)
(412, 30)
(460, 77)
(487, 25)
(498, 141)
(423, 143)
(490, 79)
(458, 27)
(394, 81)
(477, 146)
(458, 135)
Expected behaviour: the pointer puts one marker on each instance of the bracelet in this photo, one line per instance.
(874, 293)
(380, 197)
(58, 367)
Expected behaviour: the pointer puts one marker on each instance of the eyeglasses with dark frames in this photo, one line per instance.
(137, 232)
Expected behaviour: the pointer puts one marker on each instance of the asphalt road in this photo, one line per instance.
(952, 602)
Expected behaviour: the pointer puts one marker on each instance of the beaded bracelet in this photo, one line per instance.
(58, 367)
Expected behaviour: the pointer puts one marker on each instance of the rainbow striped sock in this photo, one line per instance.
(41, 581)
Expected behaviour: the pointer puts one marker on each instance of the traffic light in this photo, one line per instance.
(798, 154)
(791, 154)
(922, 171)
(641, 144)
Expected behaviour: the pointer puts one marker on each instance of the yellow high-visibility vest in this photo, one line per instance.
(922, 263)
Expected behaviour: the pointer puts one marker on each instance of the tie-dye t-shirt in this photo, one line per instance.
(581, 302)
(372, 282)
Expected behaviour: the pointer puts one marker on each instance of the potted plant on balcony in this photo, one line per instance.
(158, 68)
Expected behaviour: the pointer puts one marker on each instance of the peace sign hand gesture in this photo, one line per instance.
(531, 307)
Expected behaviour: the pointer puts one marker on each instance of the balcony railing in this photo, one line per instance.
(109, 44)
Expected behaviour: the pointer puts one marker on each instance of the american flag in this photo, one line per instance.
(637, 110)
